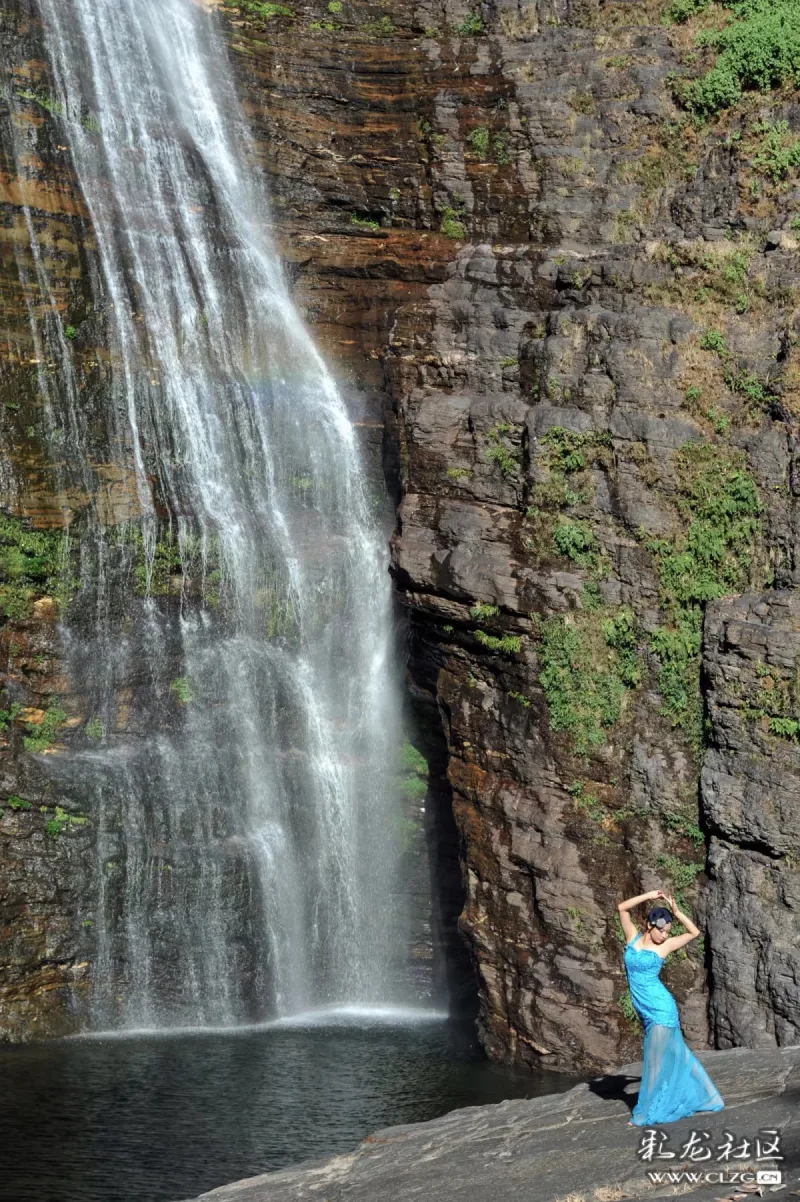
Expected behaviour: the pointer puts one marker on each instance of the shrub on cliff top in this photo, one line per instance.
(758, 50)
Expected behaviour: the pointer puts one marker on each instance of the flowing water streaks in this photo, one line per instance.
(235, 640)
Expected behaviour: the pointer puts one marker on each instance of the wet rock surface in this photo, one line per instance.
(575, 1144)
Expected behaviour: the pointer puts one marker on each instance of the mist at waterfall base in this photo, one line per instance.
(161, 1119)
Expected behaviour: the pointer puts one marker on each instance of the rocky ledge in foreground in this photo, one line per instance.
(575, 1144)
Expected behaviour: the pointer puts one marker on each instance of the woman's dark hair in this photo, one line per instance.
(659, 912)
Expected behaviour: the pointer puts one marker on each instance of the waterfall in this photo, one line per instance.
(232, 625)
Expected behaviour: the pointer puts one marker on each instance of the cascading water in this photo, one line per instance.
(234, 632)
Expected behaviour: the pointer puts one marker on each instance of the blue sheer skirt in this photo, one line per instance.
(674, 1082)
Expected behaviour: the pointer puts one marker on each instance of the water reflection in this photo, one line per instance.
(163, 1118)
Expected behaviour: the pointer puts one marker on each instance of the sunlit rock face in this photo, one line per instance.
(512, 254)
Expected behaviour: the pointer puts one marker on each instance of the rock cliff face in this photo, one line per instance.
(750, 799)
(569, 313)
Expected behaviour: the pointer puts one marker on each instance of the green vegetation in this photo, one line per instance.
(587, 802)
(176, 564)
(761, 394)
(44, 100)
(758, 50)
(434, 140)
(499, 452)
(565, 455)
(472, 25)
(776, 704)
(18, 803)
(260, 8)
(412, 760)
(414, 772)
(364, 223)
(681, 10)
(591, 597)
(627, 1008)
(382, 28)
(8, 716)
(483, 144)
(502, 155)
(681, 872)
(507, 644)
(785, 728)
(779, 150)
(406, 828)
(479, 141)
(182, 690)
(684, 824)
(712, 340)
(718, 499)
(480, 611)
(586, 667)
(459, 473)
(335, 6)
(521, 699)
(42, 735)
(94, 729)
(452, 226)
(70, 332)
(62, 819)
(33, 563)
(621, 632)
(577, 542)
(570, 451)
(280, 613)
(509, 361)
(719, 421)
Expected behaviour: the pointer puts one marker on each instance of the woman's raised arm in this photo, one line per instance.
(628, 926)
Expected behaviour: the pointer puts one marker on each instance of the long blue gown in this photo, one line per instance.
(674, 1082)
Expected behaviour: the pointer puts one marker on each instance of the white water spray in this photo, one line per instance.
(243, 787)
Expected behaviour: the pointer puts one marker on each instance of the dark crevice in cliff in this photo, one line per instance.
(454, 980)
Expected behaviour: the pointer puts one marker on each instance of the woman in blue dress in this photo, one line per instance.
(674, 1082)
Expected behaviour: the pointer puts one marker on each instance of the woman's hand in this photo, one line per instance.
(669, 899)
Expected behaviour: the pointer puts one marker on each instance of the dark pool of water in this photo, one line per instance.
(163, 1118)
